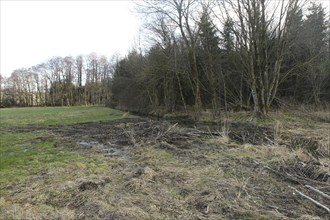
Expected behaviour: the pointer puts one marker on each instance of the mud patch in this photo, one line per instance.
(165, 171)
(118, 139)
(88, 186)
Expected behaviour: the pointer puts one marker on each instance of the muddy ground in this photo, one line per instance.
(163, 170)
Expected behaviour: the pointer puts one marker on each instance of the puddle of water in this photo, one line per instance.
(25, 147)
(109, 150)
(120, 153)
(87, 144)
(17, 152)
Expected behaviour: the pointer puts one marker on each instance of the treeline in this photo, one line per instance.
(231, 55)
(81, 80)
(213, 55)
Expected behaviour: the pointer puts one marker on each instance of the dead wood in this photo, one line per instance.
(318, 191)
(311, 199)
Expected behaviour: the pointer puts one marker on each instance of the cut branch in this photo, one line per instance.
(311, 199)
(318, 191)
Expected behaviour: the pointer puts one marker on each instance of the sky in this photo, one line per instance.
(32, 32)
(35, 31)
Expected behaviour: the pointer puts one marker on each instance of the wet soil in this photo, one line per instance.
(166, 170)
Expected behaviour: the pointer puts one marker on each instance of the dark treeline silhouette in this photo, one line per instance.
(219, 56)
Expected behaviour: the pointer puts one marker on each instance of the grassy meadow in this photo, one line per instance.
(44, 116)
(25, 146)
(99, 163)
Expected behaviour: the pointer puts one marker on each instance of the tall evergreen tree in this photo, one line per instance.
(314, 32)
(294, 58)
(210, 63)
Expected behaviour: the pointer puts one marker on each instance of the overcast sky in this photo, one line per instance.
(35, 31)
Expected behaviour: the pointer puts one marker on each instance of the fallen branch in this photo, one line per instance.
(311, 199)
(318, 191)
(285, 176)
(170, 128)
(308, 180)
(280, 209)
(164, 133)
(130, 136)
(272, 142)
(297, 179)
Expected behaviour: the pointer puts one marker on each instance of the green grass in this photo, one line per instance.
(23, 154)
(11, 117)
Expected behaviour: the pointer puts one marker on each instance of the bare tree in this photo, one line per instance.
(183, 15)
(261, 37)
(67, 90)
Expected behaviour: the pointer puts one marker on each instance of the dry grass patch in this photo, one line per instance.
(174, 172)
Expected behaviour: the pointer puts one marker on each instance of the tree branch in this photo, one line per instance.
(311, 199)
